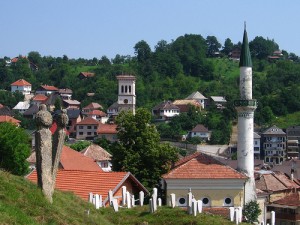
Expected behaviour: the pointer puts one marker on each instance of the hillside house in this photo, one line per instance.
(39, 99)
(85, 75)
(65, 93)
(198, 97)
(185, 104)
(100, 155)
(256, 145)
(165, 110)
(97, 115)
(90, 107)
(46, 90)
(293, 141)
(70, 104)
(108, 132)
(31, 112)
(218, 101)
(200, 131)
(214, 183)
(86, 129)
(274, 145)
(74, 116)
(21, 107)
(22, 86)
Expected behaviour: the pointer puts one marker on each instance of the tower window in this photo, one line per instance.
(129, 89)
(126, 89)
(122, 89)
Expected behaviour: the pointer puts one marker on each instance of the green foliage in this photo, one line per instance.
(10, 99)
(251, 211)
(139, 150)
(80, 145)
(262, 48)
(14, 149)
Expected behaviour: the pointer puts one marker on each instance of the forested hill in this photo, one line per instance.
(170, 71)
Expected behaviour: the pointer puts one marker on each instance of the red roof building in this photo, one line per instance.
(22, 86)
(81, 175)
(87, 129)
(108, 131)
(216, 184)
(84, 75)
(9, 119)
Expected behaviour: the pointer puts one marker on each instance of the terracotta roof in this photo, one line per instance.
(9, 119)
(200, 128)
(87, 74)
(186, 102)
(6, 111)
(65, 91)
(107, 129)
(93, 105)
(97, 113)
(81, 183)
(274, 181)
(39, 97)
(88, 121)
(96, 152)
(289, 200)
(49, 88)
(71, 102)
(21, 82)
(202, 166)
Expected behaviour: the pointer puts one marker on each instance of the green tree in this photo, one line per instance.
(251, 212)
(213, 45)
(228, 46)
(14, 149)
(35, 58)
(80, 145)
(261, 48)
(139, 150)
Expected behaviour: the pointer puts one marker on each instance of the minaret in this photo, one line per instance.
(126, 93)
(245, 108)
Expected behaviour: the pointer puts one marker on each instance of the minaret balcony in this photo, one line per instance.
(245, 103)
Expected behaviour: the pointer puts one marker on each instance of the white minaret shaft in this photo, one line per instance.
(245, 108)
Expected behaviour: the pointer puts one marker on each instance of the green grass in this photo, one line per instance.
(21, 202)
(288, 120)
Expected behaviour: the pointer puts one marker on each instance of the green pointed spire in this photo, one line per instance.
(245, 58)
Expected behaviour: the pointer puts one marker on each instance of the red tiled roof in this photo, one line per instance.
(39, 97)
(49, 88)
(107, 129)
(87, 74)
(88, 121)
(289, 200)
(93, 105)
(202, 166)
(97, 112)
(21, 82)
(1, 106)
(9, 119)
(73, 160)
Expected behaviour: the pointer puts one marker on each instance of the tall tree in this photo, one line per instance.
(14, 149)
(261, 48)
(139, 150)
(228, 46)
(213, 45)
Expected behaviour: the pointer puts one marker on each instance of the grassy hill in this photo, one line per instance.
(21, 202)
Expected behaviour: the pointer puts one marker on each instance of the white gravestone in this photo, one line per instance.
(231, 213)
(173, 200)
(124, 195)
(128, 200)
(272, 218)
(200, 204)
(115, 205)
(159, 201)
(141, 196)
(194, 207)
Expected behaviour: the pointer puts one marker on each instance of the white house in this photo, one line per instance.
(87, 129)
(165, 110)
(200, 131)
(22, 86)
(46, 90)
(198, 97)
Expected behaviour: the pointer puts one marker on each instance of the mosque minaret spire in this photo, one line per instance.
(245, 107)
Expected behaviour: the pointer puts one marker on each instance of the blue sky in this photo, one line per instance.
(93, 28)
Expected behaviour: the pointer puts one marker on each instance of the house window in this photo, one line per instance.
(80, 127)
(89, 127)
(104, 164)
(129, 89)
(95, 127)
(126, 89)
(89, 133)
(95, 133)
(255, 142)
(80, 133)
(122, 89)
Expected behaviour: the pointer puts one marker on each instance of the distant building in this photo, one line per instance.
(22, 86)
(21, 107)
(108, 132)
(85, 75)
(200, 131)
(165, 110)
(185, 104)
(198, 97)
(46, 90)
(219, 101)
(86, 129)
(274, 145)
(256, 145)
(293, 141)
(65, 93)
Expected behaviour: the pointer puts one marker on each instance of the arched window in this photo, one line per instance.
(126, 89)
(129, 88)
(122, 89)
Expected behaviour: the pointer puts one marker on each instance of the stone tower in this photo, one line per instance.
(245, 107)
(126, 93)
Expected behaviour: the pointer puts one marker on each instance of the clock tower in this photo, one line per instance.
(126, 93)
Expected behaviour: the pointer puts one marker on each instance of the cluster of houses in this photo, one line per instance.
(215, 181)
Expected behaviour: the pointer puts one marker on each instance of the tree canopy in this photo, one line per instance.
(14, 149)
(139, 150)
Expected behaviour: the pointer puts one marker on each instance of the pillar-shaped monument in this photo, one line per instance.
(245, 107)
